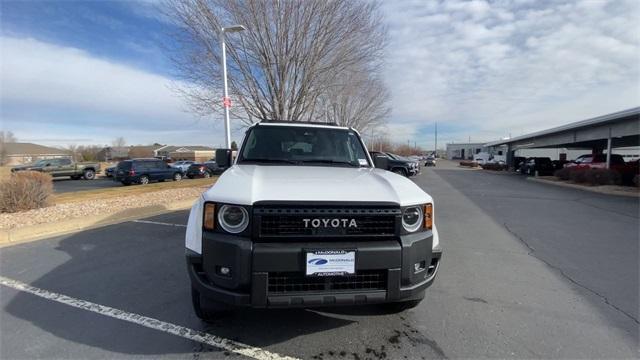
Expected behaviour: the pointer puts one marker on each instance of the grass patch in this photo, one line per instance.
(120, 191)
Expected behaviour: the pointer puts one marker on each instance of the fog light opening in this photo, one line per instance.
(223, 270)
(419, 266)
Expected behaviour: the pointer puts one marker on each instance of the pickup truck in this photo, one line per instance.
(395, 164)
(62, 167)
(305, 218)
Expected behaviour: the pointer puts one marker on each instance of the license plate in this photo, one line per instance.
(330, 262)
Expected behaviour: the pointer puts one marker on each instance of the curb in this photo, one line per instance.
(42, 231)
(594, 189)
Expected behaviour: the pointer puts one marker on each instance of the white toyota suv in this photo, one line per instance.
(303, 218)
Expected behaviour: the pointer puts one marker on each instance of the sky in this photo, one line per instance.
(86, 72)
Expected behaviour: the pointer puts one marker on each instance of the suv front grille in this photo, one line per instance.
(294, 282)
(326, 221)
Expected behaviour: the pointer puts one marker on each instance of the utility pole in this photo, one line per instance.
(435, 147)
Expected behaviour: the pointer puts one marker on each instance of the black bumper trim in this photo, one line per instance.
(256, 294)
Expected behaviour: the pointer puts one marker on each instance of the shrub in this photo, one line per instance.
(589, 176)
(602, 177)
(25, 190)
(494, 166)
(468, 163)
(578, 175)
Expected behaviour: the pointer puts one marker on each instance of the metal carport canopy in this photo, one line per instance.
(623, 128)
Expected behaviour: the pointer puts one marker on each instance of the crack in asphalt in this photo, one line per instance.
(566, 276)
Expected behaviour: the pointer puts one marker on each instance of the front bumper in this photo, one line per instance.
(255, 265)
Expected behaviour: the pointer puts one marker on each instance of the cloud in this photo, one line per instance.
(48, 89)
(509, 67)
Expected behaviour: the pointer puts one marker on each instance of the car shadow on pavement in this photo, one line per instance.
(139, 268)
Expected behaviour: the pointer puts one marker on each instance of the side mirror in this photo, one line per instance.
(381, 162)
(223, 157)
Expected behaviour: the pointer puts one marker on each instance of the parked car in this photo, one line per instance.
(430, 161)
(414, 165)
(538, 166)
(518, 161)
(627, 170)
(183, 165)
(394, 165)
(108, 172)
(205, 170)
(598, 161)
(143, 171)
(62, 167)
(309, 225)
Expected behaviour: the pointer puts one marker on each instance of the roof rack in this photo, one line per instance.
(299, 122)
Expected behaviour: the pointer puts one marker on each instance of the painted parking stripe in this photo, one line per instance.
(184, 332)
(157, 223)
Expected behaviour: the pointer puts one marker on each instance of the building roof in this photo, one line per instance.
(600, 120)
(17, 149)
(188, 148)
(146, 147)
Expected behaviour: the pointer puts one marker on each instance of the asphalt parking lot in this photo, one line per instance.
(529, 271)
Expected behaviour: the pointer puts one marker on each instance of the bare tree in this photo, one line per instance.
(296, 59)
(118, 142)
(360, 102)
(5, 137)
(88, 152)
(73, 151)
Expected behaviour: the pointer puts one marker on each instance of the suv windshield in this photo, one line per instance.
(303, 146)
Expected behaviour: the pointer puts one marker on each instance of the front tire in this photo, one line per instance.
(89, 174)
(400, 171)
(144, 180)
(177, 177)
(207, 175)
(206, 309)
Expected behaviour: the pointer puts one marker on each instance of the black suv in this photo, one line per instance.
(142, 171)
(537, 165)
(205, 170)
(394, 164)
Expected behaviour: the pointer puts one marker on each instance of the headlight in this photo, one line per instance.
(233, 219)
(412, 218)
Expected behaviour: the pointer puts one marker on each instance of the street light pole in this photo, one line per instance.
(226, 101)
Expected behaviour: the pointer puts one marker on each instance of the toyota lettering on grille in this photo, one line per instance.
(330, 223)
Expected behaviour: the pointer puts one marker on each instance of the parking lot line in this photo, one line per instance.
(157, 223)
(184, 332)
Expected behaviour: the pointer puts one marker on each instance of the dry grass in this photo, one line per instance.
(122, 191)
(5, 171)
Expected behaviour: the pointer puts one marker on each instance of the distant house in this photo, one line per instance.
(148, 151)
(111, 153)
(193, 153)
(24, 153)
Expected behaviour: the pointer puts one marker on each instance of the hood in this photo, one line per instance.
(247, 184)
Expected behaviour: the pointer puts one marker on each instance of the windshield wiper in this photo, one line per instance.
(269, 161)
(321, 161)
